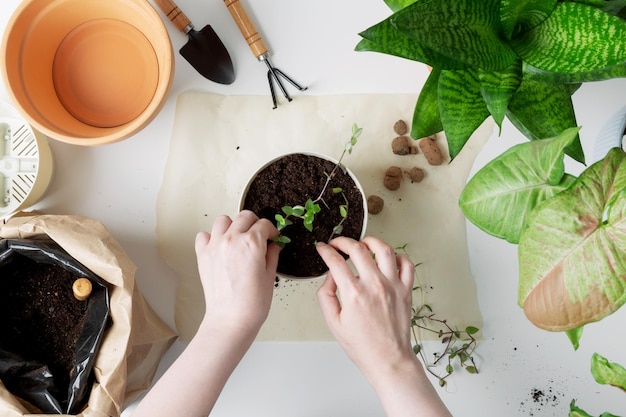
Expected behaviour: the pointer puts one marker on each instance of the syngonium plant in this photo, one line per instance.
(520, 59)
(570, 232)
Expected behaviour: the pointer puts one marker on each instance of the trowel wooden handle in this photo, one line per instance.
(175, 15)
(246, 27)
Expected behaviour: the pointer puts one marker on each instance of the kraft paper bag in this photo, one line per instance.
(137, 339)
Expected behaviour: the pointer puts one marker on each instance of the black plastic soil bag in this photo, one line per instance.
(29, 378)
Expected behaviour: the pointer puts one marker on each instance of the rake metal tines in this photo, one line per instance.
(273, 77)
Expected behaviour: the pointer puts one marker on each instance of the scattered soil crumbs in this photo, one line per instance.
(39, 317)
(291, 181)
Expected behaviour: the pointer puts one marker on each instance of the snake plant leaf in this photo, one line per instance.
(536, 74)
(608, 373)
(426, 117)
(615, 7)
(500, 196)
(575, 38)
(385, 38)
(497, 88)
(396, 5)
(465, 30)
(572, 255)
(461, 106)
(522, 15)
(542, 111)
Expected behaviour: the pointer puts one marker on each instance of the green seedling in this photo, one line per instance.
(307, 211)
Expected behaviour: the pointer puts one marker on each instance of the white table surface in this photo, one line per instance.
(313, 42)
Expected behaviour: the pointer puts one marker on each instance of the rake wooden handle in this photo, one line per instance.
(246, 27)
(175, 15)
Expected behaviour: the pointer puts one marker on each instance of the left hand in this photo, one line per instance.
(237, 265)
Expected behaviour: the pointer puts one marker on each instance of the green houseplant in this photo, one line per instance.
(523, 60)
(520, 59)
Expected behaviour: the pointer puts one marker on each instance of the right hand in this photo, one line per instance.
(372, 320)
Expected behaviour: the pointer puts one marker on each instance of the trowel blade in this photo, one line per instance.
(208, 55)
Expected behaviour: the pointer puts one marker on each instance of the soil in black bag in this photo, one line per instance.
(39, 316)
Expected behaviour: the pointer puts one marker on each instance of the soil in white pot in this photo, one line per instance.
(292, 180)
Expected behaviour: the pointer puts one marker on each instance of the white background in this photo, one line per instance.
(313, 41)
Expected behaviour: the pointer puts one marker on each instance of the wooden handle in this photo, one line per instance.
(246, 27)
(174, 14)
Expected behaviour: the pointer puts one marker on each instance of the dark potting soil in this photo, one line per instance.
(39, 317)
(292, 180)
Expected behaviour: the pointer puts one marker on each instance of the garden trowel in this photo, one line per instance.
(204, 50)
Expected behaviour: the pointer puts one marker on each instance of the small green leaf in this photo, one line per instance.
(471, 369)
(297, 210)
(343, 211)
(607, 373)
(449, 368)
(338, 229)
(471, 330)
(574, 336)
(442, 383)
(288, 210)
(337, 190)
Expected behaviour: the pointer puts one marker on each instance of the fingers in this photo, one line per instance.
(337, 265)
(221, 225)
(202, 239)
(406, 271)
(384, 255)
(327, 298)
(244, 220)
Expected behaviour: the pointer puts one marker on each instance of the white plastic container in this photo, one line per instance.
(26, 164)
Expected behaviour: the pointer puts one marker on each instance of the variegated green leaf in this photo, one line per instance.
(536, 74)
(572, 255)
(426, 117)
(465, 30)
(385, 38)
(575, 411)
(608, 373)
(461, 106)
(501, 195)
(522, 15)
(575, 38)
(542, 111)
(497, 88)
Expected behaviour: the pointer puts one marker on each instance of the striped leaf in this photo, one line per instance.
(465, 30)
(522, 15)
(542, 111)
(572, 255)
(501, 195)
(385, 38)
(576, 38)
(461, 106)
(497, 88)
(536, 74)
(426, 117)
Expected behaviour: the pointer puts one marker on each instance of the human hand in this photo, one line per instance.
(372, 319)
(237, 268)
